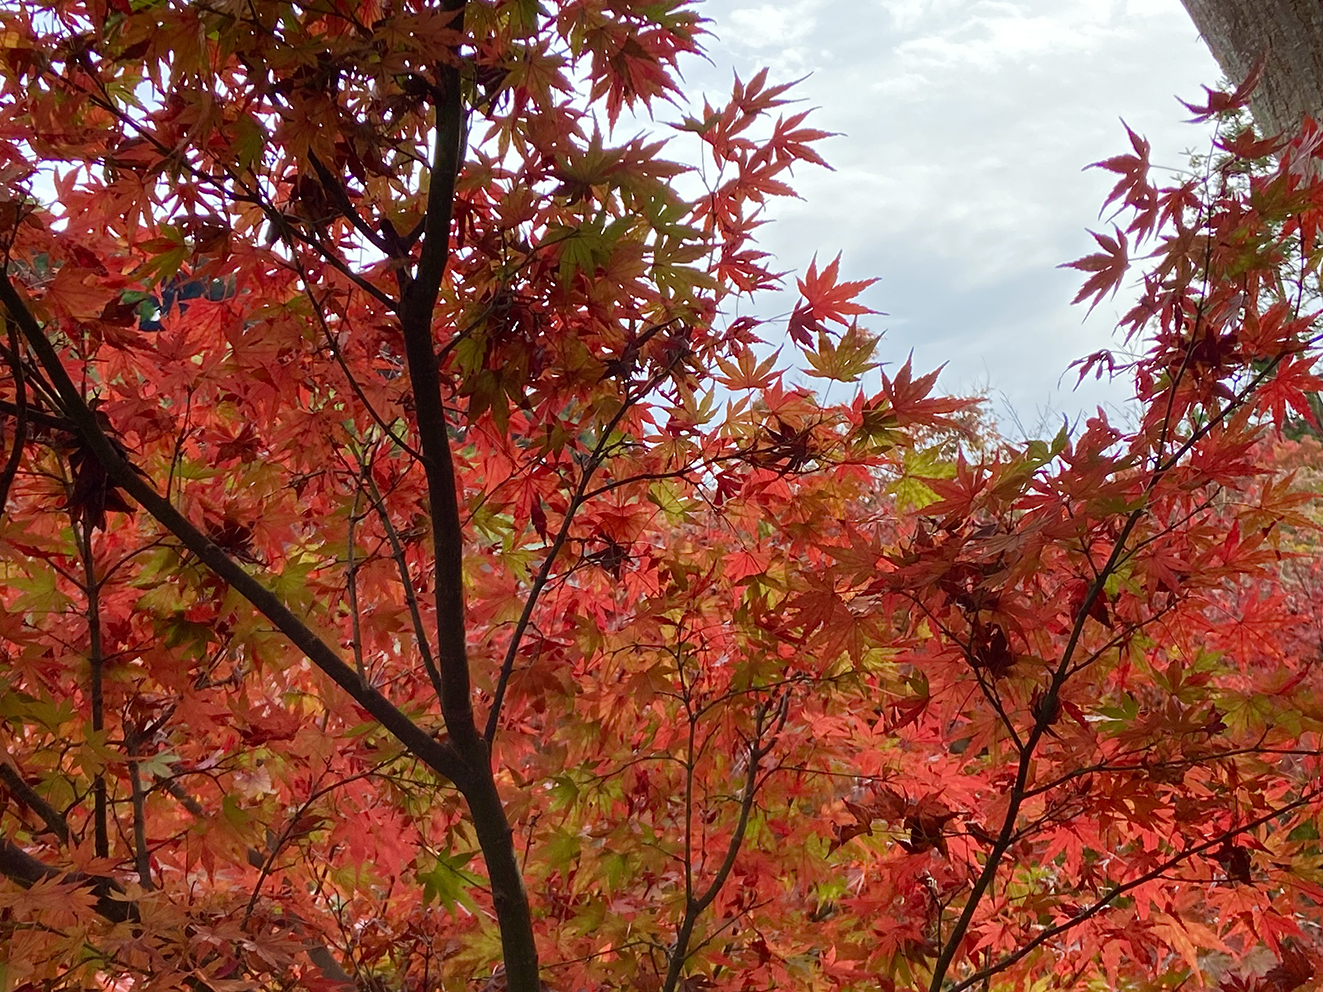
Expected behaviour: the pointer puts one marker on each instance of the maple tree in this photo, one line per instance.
(416, 574)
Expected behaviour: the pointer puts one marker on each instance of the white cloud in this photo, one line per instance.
(966, 125)
(995, 34)
(778, 25)
(907, 15)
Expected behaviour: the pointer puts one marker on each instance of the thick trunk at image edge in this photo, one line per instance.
(1289, 33)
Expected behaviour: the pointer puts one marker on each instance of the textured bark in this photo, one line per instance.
(1289, 33)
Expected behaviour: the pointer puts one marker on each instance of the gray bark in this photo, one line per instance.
(1290, 33)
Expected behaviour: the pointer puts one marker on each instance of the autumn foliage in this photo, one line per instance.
(418, 574)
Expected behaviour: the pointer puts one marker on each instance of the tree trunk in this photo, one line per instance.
(1290, 33)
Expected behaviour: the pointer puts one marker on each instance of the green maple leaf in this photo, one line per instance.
(926, 463)
(847, 359)
(448, 883)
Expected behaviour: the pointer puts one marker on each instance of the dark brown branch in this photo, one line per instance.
(96, 664)
(185, 799)
(141, 856)
(416, 313)
(543, 575)
(40, 418)
(321, 956)
(339, 357)
(417, 308)
(29, 797)
(352, 577)
(20, 867)
(332, 184)
(757, 751)
(439, 757)
(21, 420)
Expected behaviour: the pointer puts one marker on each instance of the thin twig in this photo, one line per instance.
(577, 500)
(406, 580)
(1122, 888)
(357, 632)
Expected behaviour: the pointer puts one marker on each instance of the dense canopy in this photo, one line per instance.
(418, 573)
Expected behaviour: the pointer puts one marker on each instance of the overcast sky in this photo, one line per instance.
(965, 125)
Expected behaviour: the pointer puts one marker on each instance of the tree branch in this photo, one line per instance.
(439, 757)
(21, 422)
(1122, 888)
(1019, 790)
(331, 183)
(29, 797)
(416, 312)
(96, 664)
(580, 497)
(406, 580)
(694, 907)
(20, 867)
(141, 855)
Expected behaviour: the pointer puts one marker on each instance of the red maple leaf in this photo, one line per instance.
(1108, 267)
(828, 299)
(1220, 101)
(1133, 189)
